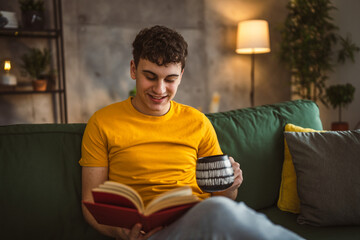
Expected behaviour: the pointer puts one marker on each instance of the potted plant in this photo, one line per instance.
(340, 96)
(132, 92)
(35, 63)
(309, 42)
(51, 77)
(32, 13)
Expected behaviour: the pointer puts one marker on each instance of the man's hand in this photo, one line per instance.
(135, 233)
(91, 178)
(231, 192)
(237, 174)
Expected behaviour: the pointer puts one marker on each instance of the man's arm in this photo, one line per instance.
(232, 191)
(92, 177)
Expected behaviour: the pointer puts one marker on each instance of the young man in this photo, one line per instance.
(151, 143)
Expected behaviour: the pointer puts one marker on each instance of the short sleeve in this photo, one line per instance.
(94, 151)
(209, 144)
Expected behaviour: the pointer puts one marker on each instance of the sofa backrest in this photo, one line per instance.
(254, 138)
(40, 178)
(40, 182)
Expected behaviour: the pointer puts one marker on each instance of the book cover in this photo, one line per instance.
(116, 204)
(127, 217)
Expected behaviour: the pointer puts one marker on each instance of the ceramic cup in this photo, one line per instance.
(214, 173)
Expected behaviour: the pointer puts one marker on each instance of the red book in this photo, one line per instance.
(116, 204)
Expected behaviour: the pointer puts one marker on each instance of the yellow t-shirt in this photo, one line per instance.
(152, 154)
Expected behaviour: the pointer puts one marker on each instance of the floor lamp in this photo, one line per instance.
(253, 38)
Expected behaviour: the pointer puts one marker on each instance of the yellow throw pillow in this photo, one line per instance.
(288, 196)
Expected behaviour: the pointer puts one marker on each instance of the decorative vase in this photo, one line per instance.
(3, 21)
(339, 126)
(40, 85)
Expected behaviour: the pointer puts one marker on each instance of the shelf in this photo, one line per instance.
(54, 33)
(27, 33)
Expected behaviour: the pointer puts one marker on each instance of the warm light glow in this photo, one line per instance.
(253, 37)
(7, 66)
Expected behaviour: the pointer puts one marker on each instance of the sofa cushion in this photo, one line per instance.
(288, 220)
(254, 137)
(288, 196)
(327, 167)
(40, 182)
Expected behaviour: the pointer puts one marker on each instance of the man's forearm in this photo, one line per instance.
(105, 230)
(229, 194)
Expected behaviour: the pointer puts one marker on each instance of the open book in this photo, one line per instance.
(117, 204)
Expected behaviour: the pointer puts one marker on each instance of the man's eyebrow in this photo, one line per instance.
(148, 71)
(173, 75)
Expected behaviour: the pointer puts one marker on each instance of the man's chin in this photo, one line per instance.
(159, 109)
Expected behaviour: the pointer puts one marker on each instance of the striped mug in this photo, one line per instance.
(214, 173)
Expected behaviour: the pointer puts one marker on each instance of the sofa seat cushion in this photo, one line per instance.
(289, 221)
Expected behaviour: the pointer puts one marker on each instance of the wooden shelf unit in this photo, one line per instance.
(54, 34)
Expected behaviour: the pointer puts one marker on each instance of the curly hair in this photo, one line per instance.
(160, 45)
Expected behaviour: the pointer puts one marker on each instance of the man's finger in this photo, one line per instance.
(135, 231)
(155, 230)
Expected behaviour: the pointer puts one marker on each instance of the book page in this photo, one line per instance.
(170, 202)
(175, 197)
(123, 190)
(180, 191)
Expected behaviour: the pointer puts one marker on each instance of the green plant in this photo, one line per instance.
(309, 39)
(340, 96)
(132, 92)
(35, 62)
(31, 5)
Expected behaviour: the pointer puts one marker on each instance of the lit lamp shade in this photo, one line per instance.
(7, 78)
(253, 37)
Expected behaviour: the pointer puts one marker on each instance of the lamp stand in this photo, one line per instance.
(252, 89)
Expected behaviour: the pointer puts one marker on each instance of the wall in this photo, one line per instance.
(98, 37)
(347, 18)
(99, 49)
(229, 73)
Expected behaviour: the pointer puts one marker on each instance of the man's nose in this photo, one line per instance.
(159, 87)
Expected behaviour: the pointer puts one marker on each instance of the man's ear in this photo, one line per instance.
(132, 70)
(181, 74)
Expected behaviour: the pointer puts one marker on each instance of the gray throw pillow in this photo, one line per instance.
(327, 166)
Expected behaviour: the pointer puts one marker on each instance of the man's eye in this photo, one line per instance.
(170, 80)
(151, 78)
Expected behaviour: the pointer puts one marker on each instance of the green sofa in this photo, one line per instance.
(40, 178)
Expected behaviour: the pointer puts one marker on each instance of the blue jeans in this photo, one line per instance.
(219, 218)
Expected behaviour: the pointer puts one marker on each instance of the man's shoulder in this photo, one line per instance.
(111, 107)
(110, 111)
(192, 114)
(181, 108)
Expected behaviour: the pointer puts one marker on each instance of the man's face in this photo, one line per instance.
(156, 86)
